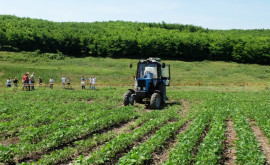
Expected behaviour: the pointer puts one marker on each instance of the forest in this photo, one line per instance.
(122, 39)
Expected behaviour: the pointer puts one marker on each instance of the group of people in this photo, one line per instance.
(15, 82)
(92, 82)
(28, 82)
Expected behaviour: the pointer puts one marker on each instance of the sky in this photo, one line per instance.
(212, 14)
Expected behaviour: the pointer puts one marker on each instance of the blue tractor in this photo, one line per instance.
(151, 80)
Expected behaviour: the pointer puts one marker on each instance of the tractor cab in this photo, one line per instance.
(151, 80)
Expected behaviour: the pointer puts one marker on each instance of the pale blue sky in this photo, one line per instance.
(213, 14)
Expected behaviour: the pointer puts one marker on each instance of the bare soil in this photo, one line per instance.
(10, 140)
(228, 155)
(89, 101)
(262, 139)
(186, 105)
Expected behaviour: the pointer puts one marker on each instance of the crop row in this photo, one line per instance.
(182, 153)
(260, 113)
(33, 135)
(79, 147)
(124, 140)
(247, 146)
(36, 117)
(85, 145)
(142, 152)
(210, 150)
(69, 134)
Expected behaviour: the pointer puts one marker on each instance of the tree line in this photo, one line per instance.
(120, 39)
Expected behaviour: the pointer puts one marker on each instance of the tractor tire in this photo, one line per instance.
(128, 99)
(155, 101)
(162, 89)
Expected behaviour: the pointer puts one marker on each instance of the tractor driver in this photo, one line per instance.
(150, 72)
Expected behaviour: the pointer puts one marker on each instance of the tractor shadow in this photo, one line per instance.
(163, 106)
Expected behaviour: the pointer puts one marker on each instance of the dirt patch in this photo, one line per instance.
(10, 141)
(228, 155)
(123, 128)
(89, 101)
(262, 139)
(162, 154)
(186, 105)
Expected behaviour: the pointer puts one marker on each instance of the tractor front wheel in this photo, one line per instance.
(155, 101)
(128, 99)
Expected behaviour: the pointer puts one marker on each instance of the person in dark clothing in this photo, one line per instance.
(15, 82)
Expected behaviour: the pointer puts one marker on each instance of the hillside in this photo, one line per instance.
(121, 39)
(185, 75)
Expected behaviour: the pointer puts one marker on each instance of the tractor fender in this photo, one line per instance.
(132, 90)
(157, 91)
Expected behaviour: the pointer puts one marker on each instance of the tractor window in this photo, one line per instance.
(165, 72)
(166, 75)
(148, 70)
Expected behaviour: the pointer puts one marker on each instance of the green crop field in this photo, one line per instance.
(216, 113)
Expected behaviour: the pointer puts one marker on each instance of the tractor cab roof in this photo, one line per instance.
(151, 60)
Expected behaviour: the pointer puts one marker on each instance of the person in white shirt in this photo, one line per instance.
(8, 83)
(93, 83)
(90, 82)
(63, 81)
(51, 83)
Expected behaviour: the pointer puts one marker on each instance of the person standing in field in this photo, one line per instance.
(25, 80)
(93, 83)
(33, 80)
(29, 84)
(63, 82)
(51, 83)
(90, 82)
(83, 84)
(15, 82)
(8, 83)
(68, 82)
(39, 81)
(82, 79)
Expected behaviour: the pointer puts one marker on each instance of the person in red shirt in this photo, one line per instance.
(25, 80)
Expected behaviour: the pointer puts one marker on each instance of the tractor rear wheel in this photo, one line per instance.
(155, 101)
(128, 99)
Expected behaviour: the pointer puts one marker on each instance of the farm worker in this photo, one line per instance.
(83, 84)
(15, 82)
(25, 80)
(29, 84)
(68, 82)
(82, 79)
(90, 82)
(93, 83)
(8, 83)
(63, 81)
(39, 81)
(33, 80)
(51, 83)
